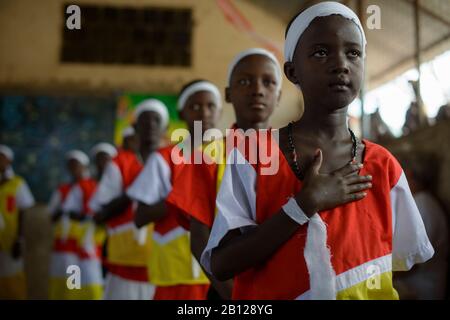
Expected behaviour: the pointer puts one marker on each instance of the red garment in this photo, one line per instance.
(182, 292)
(129, 167)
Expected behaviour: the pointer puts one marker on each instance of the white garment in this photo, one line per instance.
(74, 200)
(236, 208)
(118, 288)
(153, 183)
(24, 197)
(410, 244)
(109, 187)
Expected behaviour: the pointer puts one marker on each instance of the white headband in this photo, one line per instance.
(128, 132)
(303, 20)
(7, 152)
(155, 106)
(104, 147)
(78, 155)
(251, 52)
(197, 87)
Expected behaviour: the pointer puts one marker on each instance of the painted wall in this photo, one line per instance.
(30, 41)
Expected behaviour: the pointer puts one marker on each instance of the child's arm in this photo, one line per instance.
(150, 190)
(25, 200)
(237, 251)
(112, 209)
(199, 239)
(146, 214)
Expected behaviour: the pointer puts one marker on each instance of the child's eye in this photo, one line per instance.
(244, 82)
(212, 106)
(269, 82)
(354, 53)
(195, 107)
(320, 53)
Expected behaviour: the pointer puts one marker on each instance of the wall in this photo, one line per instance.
(30, 40)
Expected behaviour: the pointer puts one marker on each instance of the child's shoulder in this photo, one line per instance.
(381, 159)
(17, 180)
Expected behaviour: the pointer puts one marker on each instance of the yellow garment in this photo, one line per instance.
(13, 283)
(13, 287)
(171, 262)
(379, 289)
(125, 250)
(9, 213)
(59, 291)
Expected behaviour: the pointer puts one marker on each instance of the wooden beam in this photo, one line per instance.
(381, 74)
(430, 13)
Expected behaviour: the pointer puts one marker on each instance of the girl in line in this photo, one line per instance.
(175, 272)
(254, 90)
(338, 217)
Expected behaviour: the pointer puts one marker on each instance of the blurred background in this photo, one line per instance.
(62, 89)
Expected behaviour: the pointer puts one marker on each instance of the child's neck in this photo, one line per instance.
(331, 126)
(244, 125)
(193, 140)
(145, 151)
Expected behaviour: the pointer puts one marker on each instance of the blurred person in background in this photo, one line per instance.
(427, 280)
(15, 198)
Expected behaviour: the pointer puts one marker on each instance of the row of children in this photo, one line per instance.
(333, 221)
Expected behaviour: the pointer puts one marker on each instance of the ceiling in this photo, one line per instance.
(391, 50)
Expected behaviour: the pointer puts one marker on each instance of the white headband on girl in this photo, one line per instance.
(128, 132)
(197, 87)
(303, 20)
(155, 106)
(104, 147)
(251, 52)
(78, 155)
(7, 152)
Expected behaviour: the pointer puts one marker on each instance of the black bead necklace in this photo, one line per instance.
(294, 155)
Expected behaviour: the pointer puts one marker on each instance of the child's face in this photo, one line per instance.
(131, 143)
(148, 128)
(201, 106)
(75, 168)
(101, 160)
(4, 163)
(328, 63)
(254, 89)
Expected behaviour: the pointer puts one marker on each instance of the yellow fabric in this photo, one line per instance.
(58, 291)
(123, 249)
(8, 234)
(99, 233)
(77, 231)
(172, 263)
(13, 287)
(382, 289)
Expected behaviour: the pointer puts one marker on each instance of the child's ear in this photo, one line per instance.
(289, 71)
(227, 95)
(279, 97)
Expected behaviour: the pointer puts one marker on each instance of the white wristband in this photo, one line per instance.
(295, 212)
